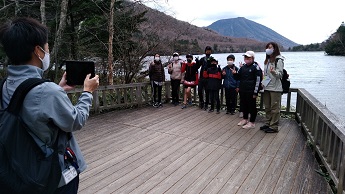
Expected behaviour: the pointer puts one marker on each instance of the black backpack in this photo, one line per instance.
(24, 167)
(285, 79)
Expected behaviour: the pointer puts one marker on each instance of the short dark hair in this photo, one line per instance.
(208, 48)
(231, 56)
(19, 38)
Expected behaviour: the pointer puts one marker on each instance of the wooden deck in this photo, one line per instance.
(170, 150)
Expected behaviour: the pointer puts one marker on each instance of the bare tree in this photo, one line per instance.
(43, 12)
(59, 33)
(110, 49)
(17, 8)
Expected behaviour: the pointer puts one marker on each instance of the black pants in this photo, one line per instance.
(248, 105)
(230, 99)
(201, 90)
(157, 90)
(70, 188)
(214, 96)
(175, 90)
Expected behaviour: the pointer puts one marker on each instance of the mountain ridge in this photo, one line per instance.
(241, 27)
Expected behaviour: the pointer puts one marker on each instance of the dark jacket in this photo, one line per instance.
(190, 70)
(214, 74)
(204, 63)
(250, 77)
(156, 72)
(229, 80)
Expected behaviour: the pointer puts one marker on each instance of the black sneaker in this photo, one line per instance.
(159, 105)
(263, 127)
(155, 105)
(270, 130)
(232, 112)
(227, 112)
(218, 111)
(211, 110)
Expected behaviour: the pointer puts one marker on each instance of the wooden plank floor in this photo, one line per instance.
(170, 150)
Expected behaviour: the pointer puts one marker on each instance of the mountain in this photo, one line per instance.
(243, 28)
(175, 35)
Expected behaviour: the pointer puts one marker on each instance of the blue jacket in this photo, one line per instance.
(229, 80)
(45, 103)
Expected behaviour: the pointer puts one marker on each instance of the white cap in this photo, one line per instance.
(249, 54)
(176, 54)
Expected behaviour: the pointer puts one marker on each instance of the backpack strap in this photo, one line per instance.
(1, 86)
(276, 61)
(20, 93)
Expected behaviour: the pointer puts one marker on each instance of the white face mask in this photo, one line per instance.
(156, 58)
(45, 61)
(175, 58)
(269, 51)
(230, 62)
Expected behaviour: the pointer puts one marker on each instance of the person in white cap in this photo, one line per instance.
(174, 69)
(250, 76)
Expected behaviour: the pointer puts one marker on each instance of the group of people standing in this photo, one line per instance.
(247, 80)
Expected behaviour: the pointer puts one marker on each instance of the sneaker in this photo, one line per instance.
(218, 111)
(205, 108)
(227, 112)
(232, 113)
(241, 115)
(190, 102)
(263, 127)
(211, 110)
(184, 106)
(159, 105)
(155, 105)
(249, 125)
(270, 130)
(243, 122)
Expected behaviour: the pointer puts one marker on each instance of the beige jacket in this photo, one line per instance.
(174, 69)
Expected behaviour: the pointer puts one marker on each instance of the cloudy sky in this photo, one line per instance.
(302, 21)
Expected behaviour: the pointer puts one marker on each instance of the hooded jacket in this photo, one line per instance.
(275, 84)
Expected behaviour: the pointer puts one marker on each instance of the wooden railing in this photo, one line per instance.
(140, 94)
(326, 133)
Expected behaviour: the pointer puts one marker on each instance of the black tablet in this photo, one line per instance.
(77, 70)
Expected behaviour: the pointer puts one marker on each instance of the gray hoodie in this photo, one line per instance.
(45, 103)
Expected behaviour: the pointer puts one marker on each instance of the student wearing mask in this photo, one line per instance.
(230, 84)
(249, 76)
(273, 72)
(204, 63)
(174, 69)
(214, 84)
(157, 77)
(190, 70)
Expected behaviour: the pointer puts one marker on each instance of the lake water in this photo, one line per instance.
(321, 75)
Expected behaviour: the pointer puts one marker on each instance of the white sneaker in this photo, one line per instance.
(249, 125)
(243, 122)
(241, 114)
